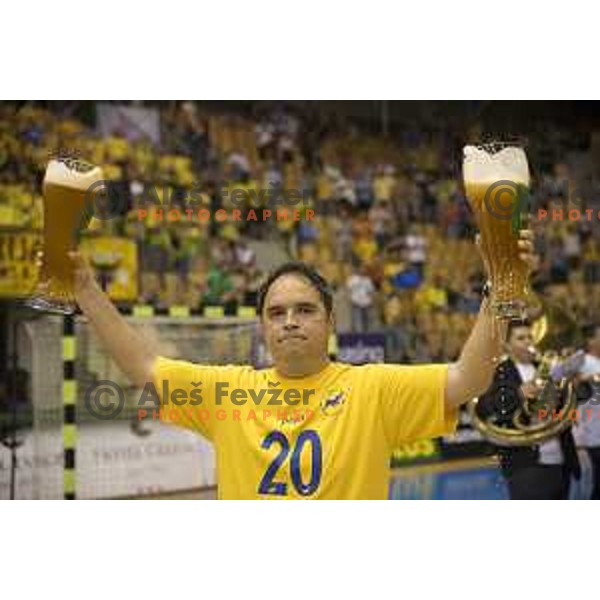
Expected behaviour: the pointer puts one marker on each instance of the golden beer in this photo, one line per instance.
(496, 178)
(68, 196)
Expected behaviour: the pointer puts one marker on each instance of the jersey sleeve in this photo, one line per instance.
(412, 402)
(186, 392)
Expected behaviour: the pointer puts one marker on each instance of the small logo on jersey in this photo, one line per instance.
(292, 419)
(333, 402)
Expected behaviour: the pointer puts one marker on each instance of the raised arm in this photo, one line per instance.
(472, 373)
(129, 349)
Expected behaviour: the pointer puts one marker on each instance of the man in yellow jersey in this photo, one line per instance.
(307, 427)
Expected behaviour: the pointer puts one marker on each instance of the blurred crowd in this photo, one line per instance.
(392, 230)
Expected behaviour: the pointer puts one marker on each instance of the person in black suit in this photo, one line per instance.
(539, 472)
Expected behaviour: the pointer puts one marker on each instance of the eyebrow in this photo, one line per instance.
(303, 304)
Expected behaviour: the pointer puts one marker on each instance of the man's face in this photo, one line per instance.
(519, 344)
(295, 321)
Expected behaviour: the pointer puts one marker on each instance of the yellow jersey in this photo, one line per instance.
(326, 436)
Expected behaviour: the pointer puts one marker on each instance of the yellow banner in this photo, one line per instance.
(415, 451)
(115, 261)
(18, 273)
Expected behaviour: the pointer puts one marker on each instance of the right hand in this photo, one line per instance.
(530, 390)
(84, 274)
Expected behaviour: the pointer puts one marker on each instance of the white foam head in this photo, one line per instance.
(68, 173)
(482, 167)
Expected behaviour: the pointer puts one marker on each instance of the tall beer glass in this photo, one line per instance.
(496, 178)
(68, 185)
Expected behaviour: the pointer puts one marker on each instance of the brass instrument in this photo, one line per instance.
(506, 417)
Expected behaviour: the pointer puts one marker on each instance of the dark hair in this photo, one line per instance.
(515, 324)
(304, 270)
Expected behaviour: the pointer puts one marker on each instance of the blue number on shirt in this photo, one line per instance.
(306, 489)
(268, 486)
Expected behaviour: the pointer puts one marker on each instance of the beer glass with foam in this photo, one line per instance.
(496, 178)
(68, 190)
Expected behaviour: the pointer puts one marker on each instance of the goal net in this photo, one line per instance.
(113, 455)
